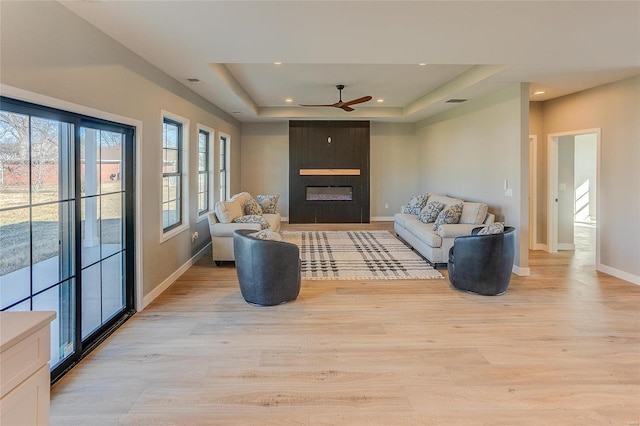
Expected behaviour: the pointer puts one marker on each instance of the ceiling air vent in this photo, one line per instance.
(456, 101)
(194, 81)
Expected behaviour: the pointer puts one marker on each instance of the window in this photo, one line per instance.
(172, 154)
(224, 168)
(204, 171)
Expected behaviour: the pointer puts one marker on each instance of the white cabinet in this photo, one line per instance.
(24, 368)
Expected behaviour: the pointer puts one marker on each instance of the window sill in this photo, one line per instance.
(173, 232)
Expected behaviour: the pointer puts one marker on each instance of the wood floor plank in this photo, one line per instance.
(561, 347)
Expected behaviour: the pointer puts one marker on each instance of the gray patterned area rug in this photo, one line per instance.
(357, 255)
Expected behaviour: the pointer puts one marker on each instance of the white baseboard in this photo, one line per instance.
(566, 246)
(382, 219)
(523, 272)
(539, 246)
(172, 278)
(634, 279)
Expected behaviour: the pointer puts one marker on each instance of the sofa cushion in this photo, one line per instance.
(252, 218)
(251, 207)
(268, 203)
(447, 201)
(416, 203)
(450, 215)
(267, 234)
(456, 230)
(430, 212)
(494, 228)
(405, 219)
(274, 220)
(242, 197)
(474, 213)
(426, 234)
(227, 211)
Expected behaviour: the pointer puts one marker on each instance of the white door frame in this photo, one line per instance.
(552, 187)
(533, 191)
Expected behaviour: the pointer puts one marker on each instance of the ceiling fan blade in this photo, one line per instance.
(317, 105)
(347, 108)
(357, 101)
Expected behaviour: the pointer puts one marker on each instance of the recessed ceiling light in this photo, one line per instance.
(422, 64)
(277, 63)
(539, 92)
(379, 101)
(288, 100)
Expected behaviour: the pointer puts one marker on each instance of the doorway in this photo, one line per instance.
(67, 224)
(573, 187)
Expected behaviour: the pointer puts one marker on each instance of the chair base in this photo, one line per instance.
(475, 292)
(266, 305)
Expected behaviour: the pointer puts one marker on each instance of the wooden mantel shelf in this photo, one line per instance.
(329, 172)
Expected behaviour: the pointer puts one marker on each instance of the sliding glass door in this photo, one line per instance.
(66, 223)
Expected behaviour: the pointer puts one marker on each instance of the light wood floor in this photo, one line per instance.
(561, 347)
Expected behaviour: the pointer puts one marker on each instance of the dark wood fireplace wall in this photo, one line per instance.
(329, 154)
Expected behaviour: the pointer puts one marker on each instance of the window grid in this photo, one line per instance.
(171, 174)
(224, 172)
(203, 172)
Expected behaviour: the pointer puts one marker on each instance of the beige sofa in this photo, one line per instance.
(221, 225)
(435, 245)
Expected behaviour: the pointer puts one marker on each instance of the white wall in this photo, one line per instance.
(48, 50)
(469, 152)
(265, 161)
(566, 191)
(615, 109)
(393, 164)
(394, 168)
(585, 175)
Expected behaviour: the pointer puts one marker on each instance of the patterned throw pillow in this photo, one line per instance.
(252, 218)
(267, 234)
(494, 228)
(430, 212)
(416, 203)
(268, 203)
(251, 207)
(451, 215)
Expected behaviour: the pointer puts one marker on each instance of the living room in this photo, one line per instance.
(52, 57)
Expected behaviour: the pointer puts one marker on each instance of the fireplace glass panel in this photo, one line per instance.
(329, 193)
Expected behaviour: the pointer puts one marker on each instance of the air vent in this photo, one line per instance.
(456, 101)
(194, 81)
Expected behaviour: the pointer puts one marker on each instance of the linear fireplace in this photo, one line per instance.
(329, 171)
(329, 193)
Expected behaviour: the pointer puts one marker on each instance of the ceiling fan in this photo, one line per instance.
(343, 105)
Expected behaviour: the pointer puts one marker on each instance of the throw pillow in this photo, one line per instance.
(227, 211)
(494, 228)
(430, 212)
(416, 203)
(267, 234)
(450, 215)
(252, 218)
(251, 207)
(473, 213)
(268, 203)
